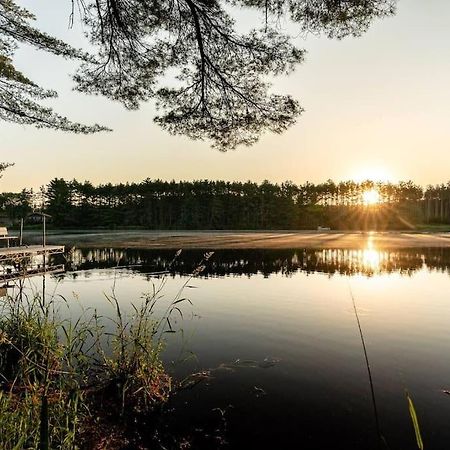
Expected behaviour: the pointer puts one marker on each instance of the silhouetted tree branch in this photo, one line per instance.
(210, 81)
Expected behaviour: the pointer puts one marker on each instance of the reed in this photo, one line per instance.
(40, 395)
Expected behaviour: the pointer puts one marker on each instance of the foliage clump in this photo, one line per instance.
(71, 384)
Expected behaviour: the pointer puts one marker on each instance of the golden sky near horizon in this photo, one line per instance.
(375, 107)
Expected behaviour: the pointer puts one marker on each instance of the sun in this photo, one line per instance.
(371, 197)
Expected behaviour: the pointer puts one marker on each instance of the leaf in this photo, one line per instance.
(412, 413)
(207, 255)
(182, 300)
(20, 444)
(179, 310)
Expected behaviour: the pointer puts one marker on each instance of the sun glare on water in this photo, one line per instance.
(371, 197)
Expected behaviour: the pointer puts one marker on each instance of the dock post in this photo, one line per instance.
(21, 232)
(43, 231)
(44, 256)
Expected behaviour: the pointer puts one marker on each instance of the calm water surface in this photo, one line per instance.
(278, 332)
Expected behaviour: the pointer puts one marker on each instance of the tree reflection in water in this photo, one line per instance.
(247, 262)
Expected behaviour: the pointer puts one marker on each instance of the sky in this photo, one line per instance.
(377, 106)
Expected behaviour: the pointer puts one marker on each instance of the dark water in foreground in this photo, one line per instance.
(279, 333)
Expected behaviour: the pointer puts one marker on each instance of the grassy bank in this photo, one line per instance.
(61, 379)
(437, 228)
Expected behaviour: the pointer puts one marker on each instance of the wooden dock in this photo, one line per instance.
(20, 275)
(16, 263)
(30, 251)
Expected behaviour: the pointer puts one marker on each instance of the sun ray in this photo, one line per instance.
(371, 197)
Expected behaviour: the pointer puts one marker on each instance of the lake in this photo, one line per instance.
(276, 334)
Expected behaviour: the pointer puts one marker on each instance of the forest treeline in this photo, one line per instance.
(204, 204)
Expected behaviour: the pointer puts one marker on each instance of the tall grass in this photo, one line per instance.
(67, 384)
(40, 389)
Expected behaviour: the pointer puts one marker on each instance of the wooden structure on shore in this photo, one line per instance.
(25, 251)
(16, 262)
(7, 277)
(19, 262)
